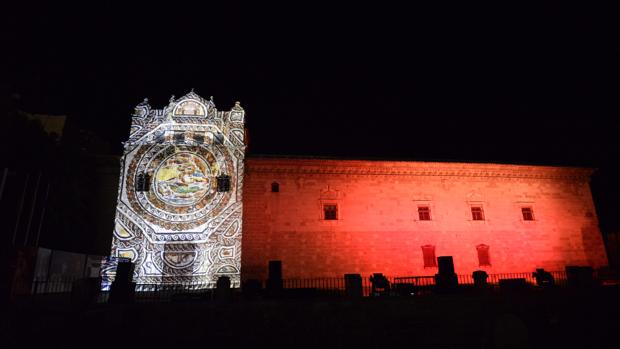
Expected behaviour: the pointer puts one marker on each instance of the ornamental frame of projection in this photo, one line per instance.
(181, 227)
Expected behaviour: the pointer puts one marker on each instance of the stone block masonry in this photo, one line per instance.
(378, 226)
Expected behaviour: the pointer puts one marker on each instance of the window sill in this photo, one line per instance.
(329, 221)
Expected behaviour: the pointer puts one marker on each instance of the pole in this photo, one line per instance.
(47, 193)
(3, 182)
(32, 207)
(21, 207)
(49, 268)
(85, 266)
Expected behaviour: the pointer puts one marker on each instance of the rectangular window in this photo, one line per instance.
(199, 137)
(330, 212)
(424, 213)
(159, 137)
(223, 183)
(179, 137)
(528, 213)
(428, 253)
(143, 182)
(218, 138)
(484, 260)
(477, 214)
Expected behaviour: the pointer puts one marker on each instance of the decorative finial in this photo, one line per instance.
(192, 91)
(211, 98)
(237, 106)
(171, 98)
(144, 103)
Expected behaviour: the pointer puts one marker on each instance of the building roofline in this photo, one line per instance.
(339, 165)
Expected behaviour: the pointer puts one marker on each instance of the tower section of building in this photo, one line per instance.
(179, 209)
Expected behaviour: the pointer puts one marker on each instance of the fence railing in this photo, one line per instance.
(55, 285)
(336, 286)
(323, 286)
(493, 279)
(315, 286)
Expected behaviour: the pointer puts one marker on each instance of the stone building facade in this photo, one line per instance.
(325, 218)
(179, 208)
(192, 208)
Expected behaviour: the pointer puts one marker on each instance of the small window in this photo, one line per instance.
(218, 138)
(528, 213)
(179, 137)
(275, 187)
(199, 137)
(424, 213)
(428, 253)
(477, 214)
(484, 260)
(159, 137)
(143, 182)
(223, 183)
(330, 212)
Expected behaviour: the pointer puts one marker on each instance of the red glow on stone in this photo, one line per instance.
(378, 227)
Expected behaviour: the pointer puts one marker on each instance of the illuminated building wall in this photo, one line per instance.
(180, 215)
(380, 209)
(179, 211)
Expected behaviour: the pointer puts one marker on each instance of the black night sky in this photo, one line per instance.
(512, 84)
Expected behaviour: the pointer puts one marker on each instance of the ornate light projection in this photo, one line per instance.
(179, 211)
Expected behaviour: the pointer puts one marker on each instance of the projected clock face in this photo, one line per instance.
(182, 179)
(183, 191)
(172, 219)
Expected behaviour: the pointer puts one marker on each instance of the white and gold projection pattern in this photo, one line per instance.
(179, 210)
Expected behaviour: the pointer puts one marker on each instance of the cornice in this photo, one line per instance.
(413, 168)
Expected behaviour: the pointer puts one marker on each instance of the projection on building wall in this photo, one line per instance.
(179, 210)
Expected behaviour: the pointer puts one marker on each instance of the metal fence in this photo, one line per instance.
(54, 285)
(493, 279)
(146, 293)
(315, 286)
(417, 284)
(296, 287)
(336, 286)
(408, 284)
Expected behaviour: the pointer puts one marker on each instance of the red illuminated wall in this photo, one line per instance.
(378, 229)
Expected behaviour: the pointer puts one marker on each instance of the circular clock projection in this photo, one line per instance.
(182, 179)
(183, 191)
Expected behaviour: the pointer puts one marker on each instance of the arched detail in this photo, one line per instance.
(190, 107)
